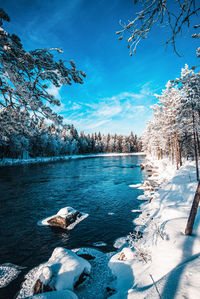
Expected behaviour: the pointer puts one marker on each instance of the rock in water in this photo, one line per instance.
(59, 221)
(65, 270)
(64, 217)
(42, 288)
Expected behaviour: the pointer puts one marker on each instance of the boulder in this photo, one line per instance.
(146, 184)
(44, 282)
(64, 218)
(42, 288)
(64, 270)
(126, 254)
(59, 221)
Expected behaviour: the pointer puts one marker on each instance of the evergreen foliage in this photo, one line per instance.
(174, 131)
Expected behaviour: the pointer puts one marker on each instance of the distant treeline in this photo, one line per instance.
(49, 141)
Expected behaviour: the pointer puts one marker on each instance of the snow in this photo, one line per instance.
(66, 294)
(136, 211)
(135, 186)
(61, 271)
(64, 212)
(120, 242)
(165, 262)
(99, 244)
(8, 272)
(12, 162)
(123, 271)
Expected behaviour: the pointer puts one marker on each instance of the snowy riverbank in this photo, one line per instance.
(11, 162)
(165, 262)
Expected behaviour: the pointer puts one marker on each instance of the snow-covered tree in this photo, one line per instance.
(24, 80)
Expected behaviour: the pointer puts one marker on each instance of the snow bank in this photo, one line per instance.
(61, 271)
(11, 162)
(8, 272)
(65, 212)
(164, 262)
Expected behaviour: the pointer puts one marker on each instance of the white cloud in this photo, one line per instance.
(108, 110)
(94, 125)
(54, 91)
(120, 113)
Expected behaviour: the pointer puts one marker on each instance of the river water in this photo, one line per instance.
(97, 186)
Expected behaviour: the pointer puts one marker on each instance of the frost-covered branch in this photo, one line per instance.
(174, 15)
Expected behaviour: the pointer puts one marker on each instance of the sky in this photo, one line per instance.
(119, 89)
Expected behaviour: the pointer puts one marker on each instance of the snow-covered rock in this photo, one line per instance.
(122, 269)
(66, 217)
(60, 272)
(121, 242)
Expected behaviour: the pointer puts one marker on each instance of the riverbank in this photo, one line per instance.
(165, 262)
(12, 162)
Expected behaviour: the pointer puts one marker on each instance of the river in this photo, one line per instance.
(97, 186)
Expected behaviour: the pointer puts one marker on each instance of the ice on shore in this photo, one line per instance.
(8, 272)
(135, 186)
(11, 162)
(65, 294)
(99, 244)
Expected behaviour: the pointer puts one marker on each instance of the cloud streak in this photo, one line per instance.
(119, 113)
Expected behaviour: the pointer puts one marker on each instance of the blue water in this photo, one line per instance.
(96, 186)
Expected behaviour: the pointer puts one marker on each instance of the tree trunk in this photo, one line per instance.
(180, 156)
(196, 157)
(198, 145)
(161, 153)
(193, 212)
(176, 149)
(172, 145)
(169, 149)
(195, 147)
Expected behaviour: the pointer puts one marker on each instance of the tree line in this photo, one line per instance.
(47, 141)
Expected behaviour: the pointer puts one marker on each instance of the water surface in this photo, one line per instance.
(97, 186)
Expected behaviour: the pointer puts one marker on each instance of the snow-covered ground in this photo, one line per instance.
(165, 262)
(11, 162)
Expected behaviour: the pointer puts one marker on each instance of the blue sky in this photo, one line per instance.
(119, 89)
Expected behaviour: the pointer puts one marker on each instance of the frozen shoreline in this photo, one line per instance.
(165, 262)
(12, 162)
